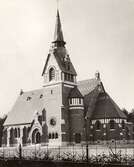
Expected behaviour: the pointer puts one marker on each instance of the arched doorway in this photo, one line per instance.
(36, 137)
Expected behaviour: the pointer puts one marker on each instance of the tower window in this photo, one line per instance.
(53, 135)
(65, 76)
(51, 74)
(72, 79)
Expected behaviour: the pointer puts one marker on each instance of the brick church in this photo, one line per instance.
(64, 111)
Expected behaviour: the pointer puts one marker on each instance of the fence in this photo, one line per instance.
(96, 153)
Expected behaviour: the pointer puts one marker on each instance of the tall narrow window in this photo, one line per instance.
(65, 77)
(50, 136)
(70, 101)
(112, 124)
(18, 132)
(72, 78)
(51, 74)
(98, 125)
(15, 132)
(56, 135)
(53, 136)
(80, 100)
(123, 124)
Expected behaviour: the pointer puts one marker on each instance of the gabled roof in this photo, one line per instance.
(105, 107)
(87, 86)
(75, 93)
(60, 58)
(25, 108)
(98, 104)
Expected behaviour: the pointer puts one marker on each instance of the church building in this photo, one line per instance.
(64, 111)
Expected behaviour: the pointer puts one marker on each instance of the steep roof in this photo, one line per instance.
(60, 58)
(58, 34)
(98, 104)
(75, 93)
(59, 51)
(87, 86)
(89, 89)
(26, 107)
(106, 107)
(28, 103)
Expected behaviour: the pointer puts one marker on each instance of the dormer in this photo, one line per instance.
(75, 98)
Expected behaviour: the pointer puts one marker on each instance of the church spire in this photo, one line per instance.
(58, 34)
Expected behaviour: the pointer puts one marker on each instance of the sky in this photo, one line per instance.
(99, 36)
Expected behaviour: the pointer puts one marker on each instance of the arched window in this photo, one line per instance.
(98, 125)
(53, 136)
(11, 136)
(112, 124)
(51, 74)
(50, 136)
(18, 132)
(123, 124)
(11, 132)
(24, 135)
(15, 132)
(56, 135)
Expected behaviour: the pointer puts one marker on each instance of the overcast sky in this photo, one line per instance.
(99, 36)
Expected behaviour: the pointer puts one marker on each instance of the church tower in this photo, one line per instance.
(59, 79)
(58, 66)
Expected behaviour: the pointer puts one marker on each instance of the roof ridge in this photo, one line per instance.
(30, 91)
(86, 80)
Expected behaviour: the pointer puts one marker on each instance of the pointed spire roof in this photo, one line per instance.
(58, 34)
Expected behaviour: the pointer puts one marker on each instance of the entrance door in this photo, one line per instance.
(38, 137)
